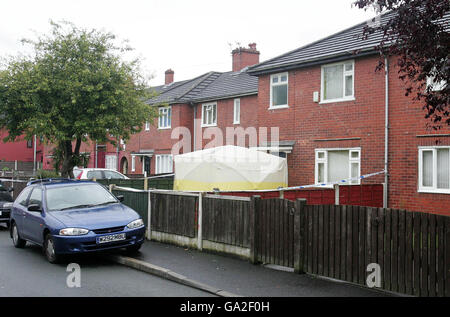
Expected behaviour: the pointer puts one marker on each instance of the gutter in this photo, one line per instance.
(311, 62)
(386, 135)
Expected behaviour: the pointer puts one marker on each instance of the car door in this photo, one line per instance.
(95, 175)
(19, 208)
(33, 221)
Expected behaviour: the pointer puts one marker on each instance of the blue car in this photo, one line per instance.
(70, 217)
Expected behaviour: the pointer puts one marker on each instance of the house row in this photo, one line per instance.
(322, 106)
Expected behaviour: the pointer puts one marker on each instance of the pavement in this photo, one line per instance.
(229, 276)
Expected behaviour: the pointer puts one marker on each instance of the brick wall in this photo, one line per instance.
(312, 125)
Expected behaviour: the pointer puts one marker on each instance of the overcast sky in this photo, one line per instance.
(190, 36)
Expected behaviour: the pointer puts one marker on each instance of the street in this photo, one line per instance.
(26, 272)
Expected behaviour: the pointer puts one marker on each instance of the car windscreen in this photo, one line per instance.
(77, 196)
(5, 196)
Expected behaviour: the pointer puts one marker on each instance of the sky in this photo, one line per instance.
(191, 37)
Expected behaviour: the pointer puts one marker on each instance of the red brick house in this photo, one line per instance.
(343, 119)
(198, 106)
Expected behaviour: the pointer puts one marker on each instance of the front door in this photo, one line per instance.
(147, 165)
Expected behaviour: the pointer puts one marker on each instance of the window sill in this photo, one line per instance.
(167, 128)
(278, 107)
(337, 100)
(433, 191)
(236, 123)
(209, 125)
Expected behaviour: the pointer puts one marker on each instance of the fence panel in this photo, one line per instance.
(135, 200)
(274, 226)
(411, 248)
(226, 220)
(174, 214)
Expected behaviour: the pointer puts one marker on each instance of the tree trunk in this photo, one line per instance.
(67, 164)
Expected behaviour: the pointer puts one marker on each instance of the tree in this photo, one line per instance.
(75, 87)
(417, 36)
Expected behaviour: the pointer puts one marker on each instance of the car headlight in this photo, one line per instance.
(135, 224)
(73, 232)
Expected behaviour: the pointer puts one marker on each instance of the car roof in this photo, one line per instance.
(58, 181)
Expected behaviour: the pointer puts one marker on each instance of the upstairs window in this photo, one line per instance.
(279, 90)
(434, 169)
(237, 111)
(147, 126)
(338, 82)
(165, 118)
(436, 86)
(209, 115)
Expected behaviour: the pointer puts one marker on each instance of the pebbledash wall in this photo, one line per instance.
(357, 124)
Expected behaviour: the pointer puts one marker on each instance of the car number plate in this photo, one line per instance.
(111, 238)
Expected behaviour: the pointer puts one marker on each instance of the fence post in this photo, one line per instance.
(149, 216)
(111, 187)
(254, 203)
(300, 204)
(200, 222)
(145, 183)
(336, 194)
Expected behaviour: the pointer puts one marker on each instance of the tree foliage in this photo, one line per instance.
(416, 35)
(75, 87)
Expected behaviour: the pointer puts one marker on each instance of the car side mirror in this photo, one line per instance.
(34, 207)
(120, 198)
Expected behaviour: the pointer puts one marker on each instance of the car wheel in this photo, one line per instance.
(134, 249)
(17, 241)
(49, 250)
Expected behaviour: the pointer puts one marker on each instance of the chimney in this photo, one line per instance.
(169, 76)
(243, 57)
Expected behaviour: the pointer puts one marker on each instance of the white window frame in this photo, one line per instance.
(433, 188)
(147, 126)
(345, 73)
(324, 160)
(165, 112)
(207, 114)
(159, 157)
(237, 111)
(133, 163)
(279, 83)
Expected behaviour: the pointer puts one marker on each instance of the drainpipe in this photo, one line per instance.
(96, 154)
(195, 127)
(34, 156)
(386, 134)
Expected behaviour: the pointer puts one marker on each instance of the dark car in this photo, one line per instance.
(5, 204)
(69, 217)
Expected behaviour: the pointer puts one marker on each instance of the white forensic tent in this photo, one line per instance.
(229, 168)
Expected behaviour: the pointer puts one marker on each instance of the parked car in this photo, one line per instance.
(68, 217)
(97, 173)
(6, 200)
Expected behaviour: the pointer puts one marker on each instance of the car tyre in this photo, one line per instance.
(133, 249)
(49, 250)
(17, 241)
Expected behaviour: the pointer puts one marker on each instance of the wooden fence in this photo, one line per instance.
(412, 249)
